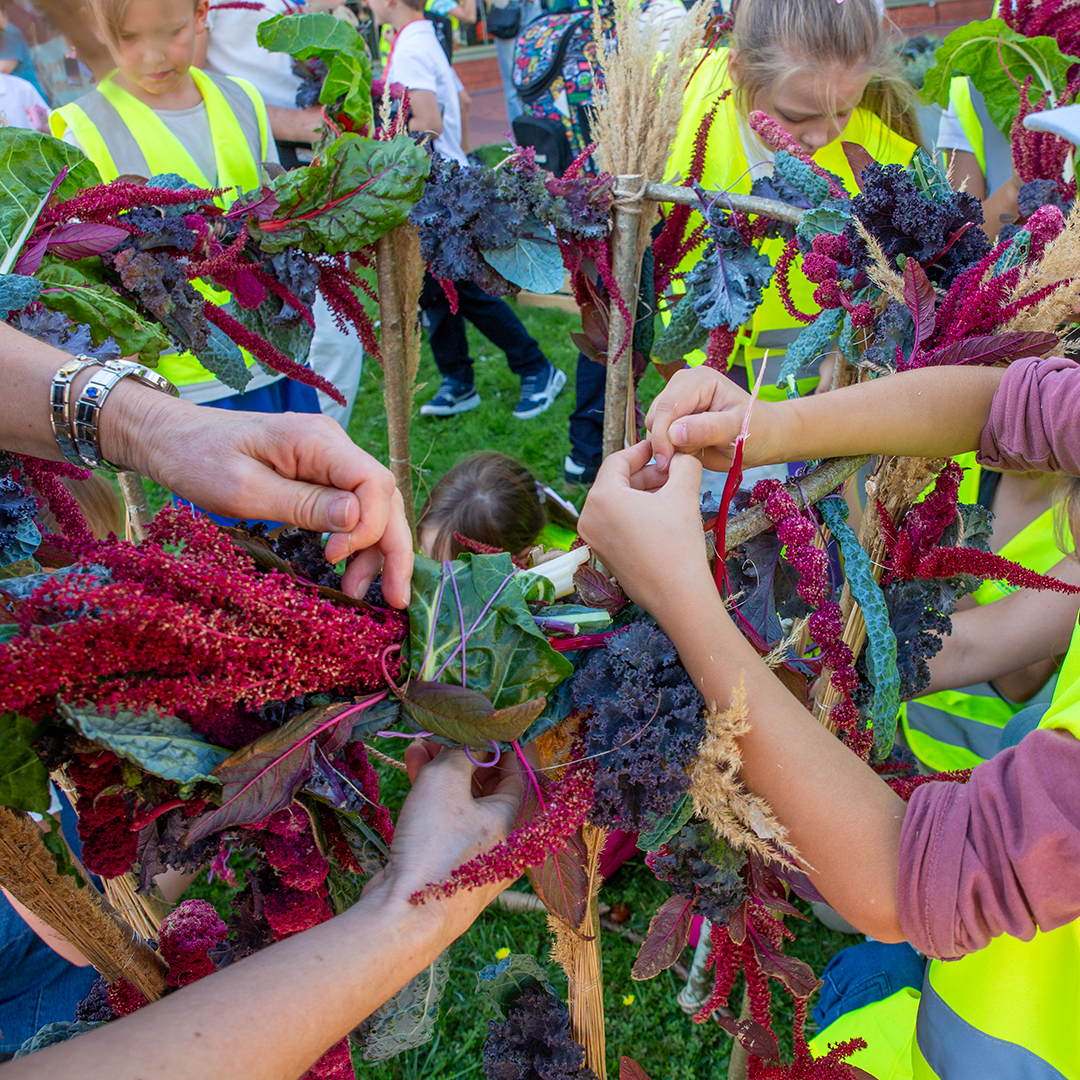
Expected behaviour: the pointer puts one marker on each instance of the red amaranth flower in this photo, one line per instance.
(361, 770)
(45, 477)
(721, 344)
(291, 850)
(530, 843)
(782, 276)
(862, 316)
(290, 911)
(187, 935)
(335, 1064)
(124, 999)
(772, 134)
(828, 296)
(820, 268)
(104, 202)
(108, 844)
(905, 786)
(832, 247)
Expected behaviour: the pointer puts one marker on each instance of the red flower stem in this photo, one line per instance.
(530, 774)
(139, 822)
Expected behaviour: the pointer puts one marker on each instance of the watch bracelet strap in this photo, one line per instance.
(93, 396)
(60, 406)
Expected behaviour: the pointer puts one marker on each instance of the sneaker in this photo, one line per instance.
(538, 392)
(454, 397)
(576, 473)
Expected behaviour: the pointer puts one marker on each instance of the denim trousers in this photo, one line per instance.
(494, 318)
(863, 974)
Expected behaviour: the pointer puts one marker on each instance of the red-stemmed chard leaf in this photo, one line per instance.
(631, 1070)
(754, 1038)
(562, 879)
(666, 939)
(995, 348)
(262, 777)
(464, 715)
(599, 591)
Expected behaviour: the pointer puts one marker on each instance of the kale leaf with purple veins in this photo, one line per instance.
(726, 285)
(157, 229)
(56, 329)
(696, 863)
(906, 220)
(534, 1042)
(646, 720)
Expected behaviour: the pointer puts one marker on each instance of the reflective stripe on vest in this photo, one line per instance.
(118, 132)
(1012, 1009)
(727, 167)
(956, 729)
(970, 124)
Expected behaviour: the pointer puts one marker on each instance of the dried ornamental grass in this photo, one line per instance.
(1060, 262)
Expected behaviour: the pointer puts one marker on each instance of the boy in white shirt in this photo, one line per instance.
(417, 62)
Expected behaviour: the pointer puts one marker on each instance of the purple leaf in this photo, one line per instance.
(796, 975)
(562, 879)
(994, 348)
(755, 1038)
(631, 1070)
(857, 158)
(262, 208)
(80, 240)
(263, 776)
(30, 259)
(920, 300)
(464, 715)
(599, 591)
(666, 939)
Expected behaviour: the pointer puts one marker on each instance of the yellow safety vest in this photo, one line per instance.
(727, 167)
(237, 168)
(970, 124)
(956, 729)
(1011, 1010)
(885, 1026)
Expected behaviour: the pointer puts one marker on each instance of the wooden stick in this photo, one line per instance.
(397, 313)
(625, 267)
(80, 916)
(675, 193)
(136, 504)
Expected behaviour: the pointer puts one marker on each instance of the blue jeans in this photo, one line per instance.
(863, 974)
(494, 318)
(37, 986)
(587, 419)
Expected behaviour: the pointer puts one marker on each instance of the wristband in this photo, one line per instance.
(92, 398)
(60, 406)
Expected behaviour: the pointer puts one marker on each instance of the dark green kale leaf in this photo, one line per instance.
(727, 283)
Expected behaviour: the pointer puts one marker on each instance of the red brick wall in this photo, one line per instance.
(945, 13)
(479, 74)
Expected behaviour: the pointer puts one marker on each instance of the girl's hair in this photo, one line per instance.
(110, 14)
(488, 497)
(778, 39)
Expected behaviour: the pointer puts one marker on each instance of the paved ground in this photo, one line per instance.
(487, 121)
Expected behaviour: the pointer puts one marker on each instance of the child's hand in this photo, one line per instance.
(651, 540)
(703, 410)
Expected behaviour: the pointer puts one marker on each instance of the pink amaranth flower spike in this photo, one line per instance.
(187, 935)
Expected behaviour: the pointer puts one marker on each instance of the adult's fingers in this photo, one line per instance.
(620, 467)
(393, 552)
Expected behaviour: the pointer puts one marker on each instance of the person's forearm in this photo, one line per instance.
(268, 1017)
(932, 412)
(295, 125)
(1002, 207)
(843, 820)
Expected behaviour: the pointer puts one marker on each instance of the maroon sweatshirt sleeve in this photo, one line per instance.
(998, 855)
(1034, 418)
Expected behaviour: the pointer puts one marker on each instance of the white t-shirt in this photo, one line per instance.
(21, 105)
(233, 49)
(419, 63)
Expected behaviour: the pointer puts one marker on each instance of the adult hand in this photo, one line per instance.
(454, 812)
(702, 411)
(640, 533)
(298, 468)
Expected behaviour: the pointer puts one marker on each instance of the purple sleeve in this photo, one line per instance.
(998, 855)
(1033, 418)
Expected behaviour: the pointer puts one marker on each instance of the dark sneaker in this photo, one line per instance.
(538, 392)
(576, 473)
(454, 397)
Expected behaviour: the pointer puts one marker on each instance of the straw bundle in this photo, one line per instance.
(28, 871)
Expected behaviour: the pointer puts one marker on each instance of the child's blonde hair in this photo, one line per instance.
(110, 14)
(775, 39)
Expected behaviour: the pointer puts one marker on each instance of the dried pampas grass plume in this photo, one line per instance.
(744, 820)
(879, 271)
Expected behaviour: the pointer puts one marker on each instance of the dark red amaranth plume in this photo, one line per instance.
(266, 354)
(104, 202)
(450, 289)
(905, 786)
(531, 842)
(721, 344)
(108, 842)
(46, 477)
(187, 936)
(783, 270)
(337, 284)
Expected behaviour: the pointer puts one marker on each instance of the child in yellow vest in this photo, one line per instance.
(157, 113)
(826, 73)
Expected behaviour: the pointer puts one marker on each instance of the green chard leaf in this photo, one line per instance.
(464, 715)
(508, 659)
(663, 829)
(80, 291)
(24, 780)
(880, 639)
(321, 36)
(164, 746)
(30, 162)
(362, 190)
(997, 60)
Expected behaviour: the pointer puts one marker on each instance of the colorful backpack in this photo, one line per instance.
(555, 73)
